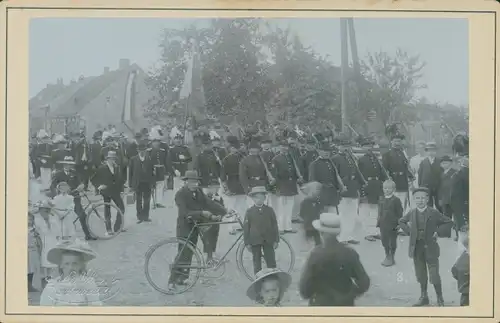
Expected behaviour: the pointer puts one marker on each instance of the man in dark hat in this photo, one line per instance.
(192, 205)
(109, 182)
(159, 156)
(287, 175)
(141, 180)
(324, 171)
(267, 154)
(236, 197)
(308, 157)
(371, 168)
(253, 169)
(423, 224)
(398, 168)
(131, 150)
(179, 157)
(429, 174)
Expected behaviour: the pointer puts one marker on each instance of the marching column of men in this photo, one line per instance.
(350, 187)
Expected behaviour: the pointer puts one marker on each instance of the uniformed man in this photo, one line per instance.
(217, 145)
(132, 147)
(287, 175)
(179, 157)
(60, 152)
(398, 168)
(374, 174)
(236, 197)
(347, 168)
(159, 157)
(267, 154)
(208, 165)
(43, 158)
(253, 171)
(83, 167)
(324, 171)
(308, 157)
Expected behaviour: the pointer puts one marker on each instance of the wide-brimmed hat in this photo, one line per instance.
(54, 254)
(191, 174)
(328, 222)
(431, 146)
(283, 277)
(111, 154)
(257, 190)
(62, 185)
(68, 160)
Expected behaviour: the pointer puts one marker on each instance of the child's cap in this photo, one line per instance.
(420, 189)
(81, 247)
(257, 190)
(283, 277)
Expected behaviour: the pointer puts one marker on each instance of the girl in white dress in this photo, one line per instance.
(64, 210)
(74, 286)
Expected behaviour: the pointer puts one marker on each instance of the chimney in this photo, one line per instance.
(106, 70)
(124, 63)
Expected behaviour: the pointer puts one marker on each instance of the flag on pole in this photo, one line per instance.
(192, 87)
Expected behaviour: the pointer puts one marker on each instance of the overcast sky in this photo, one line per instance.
(68, 48)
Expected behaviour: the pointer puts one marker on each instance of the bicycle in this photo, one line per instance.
(198, 261)
(93, 211)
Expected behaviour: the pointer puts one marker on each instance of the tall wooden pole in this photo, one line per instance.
(344, 63)
(354, 48)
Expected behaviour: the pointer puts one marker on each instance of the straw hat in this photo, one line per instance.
(54, 254)
(257, 190)
(68, 160)
(328, 222)
(191, 174)
(284, 280)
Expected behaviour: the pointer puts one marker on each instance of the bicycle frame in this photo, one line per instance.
(205, 224)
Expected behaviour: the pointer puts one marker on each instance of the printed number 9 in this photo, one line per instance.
(399, 277)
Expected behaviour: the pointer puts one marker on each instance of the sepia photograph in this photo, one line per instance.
(273, 162)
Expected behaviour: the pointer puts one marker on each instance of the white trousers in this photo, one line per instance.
(178, 183)
(348, 209)
(403, 196)
(158, 193)
(296, 206)
(45, 177)
(368, 214)
(284, 212)
(239, 204)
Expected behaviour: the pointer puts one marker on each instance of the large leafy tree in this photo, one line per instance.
(392, 83)
(306, 88)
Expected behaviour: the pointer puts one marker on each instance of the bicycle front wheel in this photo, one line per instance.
(101, 227)
(285, 258)
(162, 266)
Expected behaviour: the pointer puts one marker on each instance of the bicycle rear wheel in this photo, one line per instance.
(98, 226)
(160, 264)
(285, 258)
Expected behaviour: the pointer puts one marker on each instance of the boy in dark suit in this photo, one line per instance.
(390, 210)
(141, 181)
(423, 224)
(444, 193)
(260, 230)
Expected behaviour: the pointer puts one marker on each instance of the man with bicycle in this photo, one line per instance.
(193, 206)
(68, 175)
